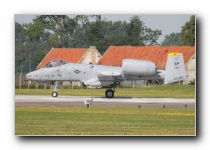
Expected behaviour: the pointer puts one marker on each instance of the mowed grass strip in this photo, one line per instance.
(167, 91)
(101, 120)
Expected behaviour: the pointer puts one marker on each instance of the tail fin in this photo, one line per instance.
(175, 68)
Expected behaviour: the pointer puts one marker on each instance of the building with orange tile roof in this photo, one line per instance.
(157, 54)
(74, 55)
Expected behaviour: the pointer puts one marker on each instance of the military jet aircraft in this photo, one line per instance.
(109, 76)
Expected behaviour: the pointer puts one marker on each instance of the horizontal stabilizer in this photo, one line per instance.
(175, 68)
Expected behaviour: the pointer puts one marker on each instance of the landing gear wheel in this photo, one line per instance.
(54, 94)
(109, 93)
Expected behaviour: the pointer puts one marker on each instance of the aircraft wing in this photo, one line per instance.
(105, 79)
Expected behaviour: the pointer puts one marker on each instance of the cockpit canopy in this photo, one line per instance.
(54, 63)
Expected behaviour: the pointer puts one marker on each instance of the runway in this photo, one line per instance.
(48, 100)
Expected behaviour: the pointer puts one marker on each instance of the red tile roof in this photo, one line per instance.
(69, 54)
(157, 54)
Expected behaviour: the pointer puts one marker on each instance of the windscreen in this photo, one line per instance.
(54, 63)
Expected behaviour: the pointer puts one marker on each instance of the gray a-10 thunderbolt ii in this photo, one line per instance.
(109, 76)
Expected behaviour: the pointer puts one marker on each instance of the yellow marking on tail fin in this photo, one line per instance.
(173, 54)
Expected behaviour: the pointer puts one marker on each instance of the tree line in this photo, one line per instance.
(34, 40)
(184, 38)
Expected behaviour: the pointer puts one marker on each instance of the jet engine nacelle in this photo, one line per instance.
(138, 67)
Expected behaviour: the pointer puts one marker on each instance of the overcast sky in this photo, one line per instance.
(166, 23)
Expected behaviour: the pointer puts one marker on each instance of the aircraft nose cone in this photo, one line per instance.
(29, 76)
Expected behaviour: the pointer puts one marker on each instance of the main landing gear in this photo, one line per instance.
(109, 93)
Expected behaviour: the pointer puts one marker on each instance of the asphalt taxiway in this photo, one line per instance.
(47, 100)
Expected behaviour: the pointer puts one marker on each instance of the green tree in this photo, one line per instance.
(188, 32)
(35, 31)
(19, 34)
(54, 29)
(135, 31)
(29, 50)
(137, 34)
(95, 30)
(103, 33)
(115, 33)
(172, 39)
(79, 38)
(29, 55)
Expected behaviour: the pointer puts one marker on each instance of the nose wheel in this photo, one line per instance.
(54, 85)
(109, 93)
(54, 94)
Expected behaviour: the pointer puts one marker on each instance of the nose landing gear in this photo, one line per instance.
(55, 89)
(54, 94)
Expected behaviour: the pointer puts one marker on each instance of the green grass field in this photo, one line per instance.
(101, 120)
(108, 120)
(167, 91)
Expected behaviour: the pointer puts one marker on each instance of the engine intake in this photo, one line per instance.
(138, 67)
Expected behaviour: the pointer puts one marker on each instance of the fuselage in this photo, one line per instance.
(70, 72)
(85, 72)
